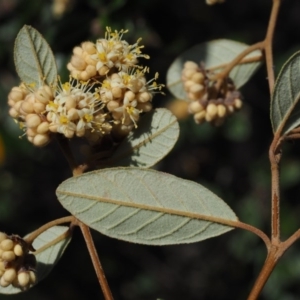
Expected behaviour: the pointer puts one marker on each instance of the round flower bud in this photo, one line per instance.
(7, 244)
(212, 110)
(39, 107)
(144, 107)
(70, 102)
(103, 70)
(238, 103)
(112, 105)
(129, 95)
(43, 127)
(8, 256)
(32, 120)
(89, 47)
(144, 97)
(3, 236)
(78, 62)
(197, 89)
(2, 265)
(27, 107)
(18, 250)
(3, 282)
(24, 279)
(9, 275)
(13, 113)
(190, 65)
(188, 73)
(199, 117)
(198, 77)
(221, 110)
(41, 140)
(117, 92)
(31, 132)
(32, 277)
(195, 107)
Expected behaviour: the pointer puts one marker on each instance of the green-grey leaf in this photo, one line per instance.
(145, 206)
(48, 257)
(285, 106)
(34, 59)
(154, 138)
(213, 53)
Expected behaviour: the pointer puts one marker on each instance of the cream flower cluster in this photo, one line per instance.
(106, 94)
(16, 264)
(207, 103)
(109, 53)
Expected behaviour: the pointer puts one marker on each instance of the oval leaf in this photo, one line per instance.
(34, 59)
(212, 54)
(154, 138)
(46, 257)
(285, 106)
(145, 206)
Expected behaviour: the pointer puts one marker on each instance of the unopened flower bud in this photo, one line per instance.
(199, 117)
(3, 282)
(221, 110)
(39, 107)
(129, 95)
(144, 97)
(41, 140)
(9, 275)
(8, 256)
(195, 107)
(198, 77)
(18, 250)
(27, 107)
(212, 110)
(23, 279)
(33, 120)
(190, 65)
(3, 236)
(238, 103)
(7, 244)
(32, 277)
(43, 127)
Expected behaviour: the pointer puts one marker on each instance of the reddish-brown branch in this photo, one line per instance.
(96, 261)
(269, 41)
(265, 273)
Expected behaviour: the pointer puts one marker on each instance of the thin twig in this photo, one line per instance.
(43, 228)
(268, 43)
(275, 193)
(221, 75)
(96, 261)
(243, 61)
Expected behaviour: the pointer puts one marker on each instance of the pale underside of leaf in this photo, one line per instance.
(285, 106)
(144, 206)
(47, 258)
(34, 59)
(154, 138)
(212, 54)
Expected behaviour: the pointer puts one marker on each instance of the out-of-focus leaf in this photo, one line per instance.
(285, 106)
(145, 206)
(212, 54)
(154, 138)
(34, 59)
(46, 257)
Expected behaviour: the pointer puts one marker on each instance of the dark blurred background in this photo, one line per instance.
(231, 160)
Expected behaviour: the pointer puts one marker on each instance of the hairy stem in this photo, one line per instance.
(43, 228)
(268, 43)
(243, 61)
(221, 75)
(96, 262)
(274, 156)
